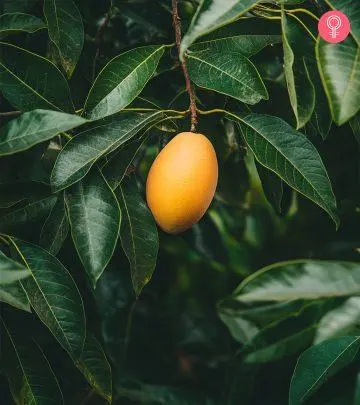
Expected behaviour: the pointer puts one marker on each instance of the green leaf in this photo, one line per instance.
(12, 23)
(121, 81)
(95, 218)
(14, 192)
(115, 168)
(18, 5)
(96, 368)
(319, 363)
(81, 152)
(247, 45)
(355, 126)
(228, 73)
(11, 271)
(341, 321)
(301, 279)
(213, 14)
(30, 376)
(30, 81)
(54, 296)
(29, 212)
(66, 31)
(138, 233)
(297, 49)
(273, 187)
(35, 127)
(339, 66)
(291, 156)
(56, 228)
(14, 295)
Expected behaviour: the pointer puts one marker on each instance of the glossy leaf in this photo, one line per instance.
(66, 31)
(94, 217)
(30, 81)
(339, 66)
(341, 321)
(81, 152)
(12, 23)
(30, 376)
(211, 15)
(302, 279)
(35, 127)
(56, 228)
(228, 73)
(138, 233)
(121, 80)
(14, 295)
(297, 50)
(273, 188)
(319, 363)
(53, 295)
(96, 368)
(292, 157)
(11, 271)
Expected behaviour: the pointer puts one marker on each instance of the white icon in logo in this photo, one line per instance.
(334, 23)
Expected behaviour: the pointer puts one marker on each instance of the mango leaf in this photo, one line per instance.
(35, 127)
(228, 73)
(14, 192)
(53, 295)
(80, 153)
(31, 211)
(18, 5)
(14, 295)
(12, 23)
(30, 376)
(341, 321)
(121, 81)
(95, 218)
(273, 187)
(96, 368)
(56, 228)
(298, 47)
(115, 168)
(319, 363)
(247, 45)
(301, 279)
(138, 233)
(355, 126)
(11, 271)
(211, 15)
(339, 66)
(291, 156)
(66, 31)
(30, 81)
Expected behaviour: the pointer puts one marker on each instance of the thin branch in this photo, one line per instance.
(10, 113)
(177, 27)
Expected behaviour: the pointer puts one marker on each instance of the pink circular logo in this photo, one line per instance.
(334, 26)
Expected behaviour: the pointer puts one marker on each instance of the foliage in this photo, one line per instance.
(258, 302)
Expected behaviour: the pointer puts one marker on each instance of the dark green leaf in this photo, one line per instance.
(14, 192)
(121, 80)
(301, 280)
(138, 233)
(18, 5)
(14, 295)
(12, 23)
(95, 218)
(355, 126)
(339, 66)
(66, 30)
(80, 153)
(30, 81)
(56, 228)
(34, 127)
(96, 368)
(30, 376)
(228, 73)
(11, 271)
(54, 296)
(273, 187)
(211, 15)
(319, 363)
(291, 156)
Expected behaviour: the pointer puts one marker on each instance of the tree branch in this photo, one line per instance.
(177, 27)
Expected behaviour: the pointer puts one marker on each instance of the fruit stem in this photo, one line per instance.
(190, 90)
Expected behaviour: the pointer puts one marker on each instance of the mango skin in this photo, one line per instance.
(182, 182)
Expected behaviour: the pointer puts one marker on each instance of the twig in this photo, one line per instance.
(177, 27)
(10, 113)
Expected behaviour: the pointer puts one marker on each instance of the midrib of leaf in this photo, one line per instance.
(125, 78)
(29, 87)
(327, 369)
(42, 293)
